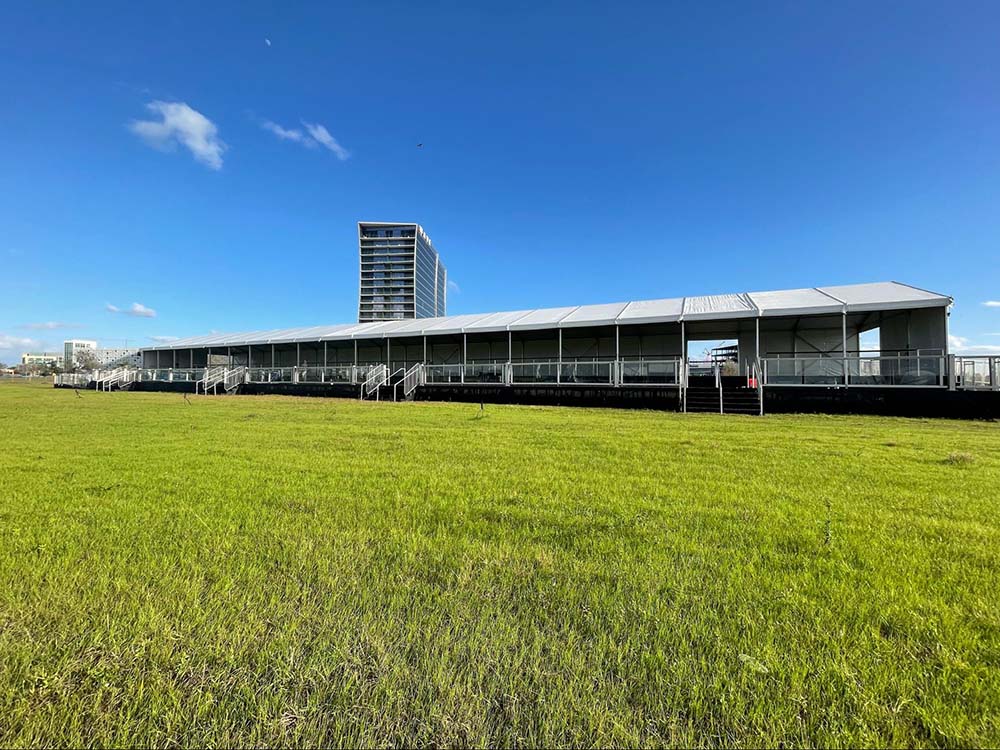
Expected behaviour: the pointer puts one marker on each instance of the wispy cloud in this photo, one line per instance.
(18, 344)
(962, 345)
(322, 136)
(137, 310)
(454, 287)
(181, 124)
(288, 134)
(163, 339)
(991, 303)
(313, 136)
(50, 325)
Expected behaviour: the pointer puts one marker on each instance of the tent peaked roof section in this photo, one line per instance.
(882, 295)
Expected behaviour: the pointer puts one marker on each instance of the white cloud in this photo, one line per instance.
(980, 349)
(180, 123)
(267, 42)
(314, 135)
(163, 339)
(991, 303)
(288, 134)
(962, 345)
(322, 136)
(454, 287)
(137, 310)
(18, 345)
(49, 325)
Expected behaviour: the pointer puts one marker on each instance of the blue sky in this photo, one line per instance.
(202, 166)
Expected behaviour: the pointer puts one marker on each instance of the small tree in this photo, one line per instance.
(86, 360)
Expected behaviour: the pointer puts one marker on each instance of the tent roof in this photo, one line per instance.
(883, 295)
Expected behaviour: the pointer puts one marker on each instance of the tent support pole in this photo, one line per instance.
(843, 330)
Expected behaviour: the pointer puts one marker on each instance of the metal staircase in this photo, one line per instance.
(724, 394)
(211, 379)
(230, 378)
(120, 377)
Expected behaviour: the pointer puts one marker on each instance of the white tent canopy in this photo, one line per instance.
(884, 295)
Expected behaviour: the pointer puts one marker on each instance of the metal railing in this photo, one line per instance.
(590, 373)
(211, 379)
(411, 379)
(977, 373)
(650, 372)
(108, 379)
(538, 373)
(910, 370)
(660, 372)
(234, 377)
(437, 374)
(900, 370)
(378, 377)
(485, 372)
(75, 379)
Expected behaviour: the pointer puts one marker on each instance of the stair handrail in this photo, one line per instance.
(211, 378)
(232, 377)
(411, 379)
(377, 377)
(112, 378)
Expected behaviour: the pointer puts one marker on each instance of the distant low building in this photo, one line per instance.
(41, 359)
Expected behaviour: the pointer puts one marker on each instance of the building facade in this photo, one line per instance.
(118, 357)
(72, 349)
(41, 359)
(401, 274)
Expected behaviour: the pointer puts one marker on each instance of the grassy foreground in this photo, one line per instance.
(267, 570)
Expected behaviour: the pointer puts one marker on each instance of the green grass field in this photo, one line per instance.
(290, 571)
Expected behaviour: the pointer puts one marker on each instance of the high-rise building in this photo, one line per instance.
(401, 273)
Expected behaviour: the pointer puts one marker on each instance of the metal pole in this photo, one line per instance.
(388, 353)
(683, 373)
(559, 367)
(618, 355)
(465, 354)
(843, 321)
(298, 354)
(425, 350)
(272, 356)
(324, 355)
(355, 352)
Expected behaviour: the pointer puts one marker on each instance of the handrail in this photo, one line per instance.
(213, 376)
(410, 381)
(232, 377)
(894, 371)
(977, 372)
(376, 378)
